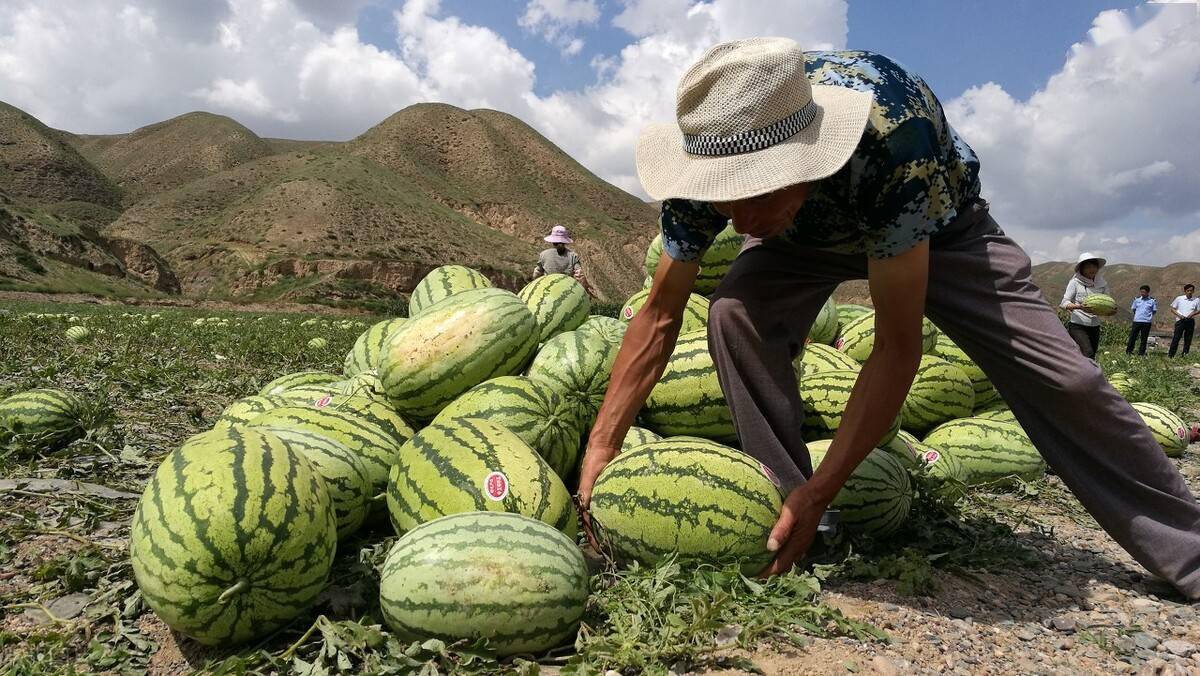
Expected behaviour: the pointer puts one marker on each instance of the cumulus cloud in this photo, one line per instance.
(557, 21)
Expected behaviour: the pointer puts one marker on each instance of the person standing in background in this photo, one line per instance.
(1185, 308)
(1144, 306)
(1084, 327)
(559, 259)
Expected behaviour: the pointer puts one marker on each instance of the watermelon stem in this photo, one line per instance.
(241, 586)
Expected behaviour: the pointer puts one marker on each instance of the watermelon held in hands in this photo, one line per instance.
(514, 581)
(233, 537)
(1100, 304)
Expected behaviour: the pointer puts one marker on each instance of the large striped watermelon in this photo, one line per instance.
(825, 327)
(695, 314)
(991, 451)
(558, 303)
(1100, 304)
(78, 334)
(529, 409)
(468, 464)
(636, 436)
(299, 379)
(985, 392)
(877, 497)
(947, 471)
(824, 396)
(577, 366)
(43, 417)
(857, 338)
(817, 358)
(233, 537)
(687, 495)
(903, 447)
(441, 283)
(608, 329)
(344, 472)
(687, 400)
(714, 263)
(368, 348)
(509, 579)
(241, 411)
(848, 312)
(470, 337)
(1169, 430)
(940, 392)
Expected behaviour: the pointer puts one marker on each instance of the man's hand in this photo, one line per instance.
(594, 461)
(794, 531)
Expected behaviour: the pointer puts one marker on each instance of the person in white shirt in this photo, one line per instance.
(1084, 327)
(1185, 308)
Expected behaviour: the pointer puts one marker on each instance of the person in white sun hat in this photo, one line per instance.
(1083, 326)
(840, 166)
(559, 259)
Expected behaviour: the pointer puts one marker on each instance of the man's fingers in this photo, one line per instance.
(783, 528)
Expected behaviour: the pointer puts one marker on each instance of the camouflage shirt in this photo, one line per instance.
(905, 181)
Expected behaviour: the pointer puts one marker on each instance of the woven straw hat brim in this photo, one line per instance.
(668, 171)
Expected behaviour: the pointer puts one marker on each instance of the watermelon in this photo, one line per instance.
(857, 338)
(904, 447)
(1122, 383)
(985, 392)
(368, 348)
(468, 464)
(364, 384)
(234, 536)
(45, 416)
(650, 262)
(939, 392)
(344, 473)
(78, 334)
(687, 495)
(1169, 430)
(714, 263)
(1001, 414)
(300, 379)
(243, 410)
(1100, 304)
(817, 358)
(317, 344)
(608, 329)
(558, 303)
(825, 327)
(441, 283)
(848, 312)
(445, 351)
(506, 578)
(947, 472)
(991, 451)
(636, 436)
(824, 396)
(375, 436)
(695, 314)
(687, 400)
(577, 366)
(529, 409)
(877, 497)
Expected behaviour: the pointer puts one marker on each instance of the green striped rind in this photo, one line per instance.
(848, 312)
(947, 470)
(1001, 414)
(687, 400)
(300, 379)
(1100, 304)
(1122, 383)
(636, 436)
(442, 470)
(903, 447)
(318, 343)
(375, 443)
(825, 327)
(343, 471)
(818, 358)
(233, 537)
(78, 334)
(824, 396)
(1169, 430)
(608, 329)
(991, 451)
(368, 348)
(48, 415)
(529, 409)
(985, 392)
(695, 314)
(442, 283)
(514, 581)
(687, 495)
(877, 497)
(714, 263)
(653, 255)
(370, 407)
(242, 411)
(940, 392)
(558, 303)
(364, 384)
(445, 351)
(578, 367)
(857, 338)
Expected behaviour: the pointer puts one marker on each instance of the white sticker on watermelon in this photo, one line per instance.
(1182, 432)
(323, 401)
(495, 486)
(628, 312)
(769, 474)
(931, 457)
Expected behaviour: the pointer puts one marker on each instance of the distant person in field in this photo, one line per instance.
(1185, 308)
(559, 259)
(1083, 326)
(1144, 306)
(840, 166)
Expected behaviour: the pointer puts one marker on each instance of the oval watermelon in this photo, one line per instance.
(636, 436)
(991, 451)
(1100, 304)
(608, 329)
(558, 303)
(43, 417)
(441, 283)
(985, 392)
(299, 379)
(857, 338)
(824, 396)
(1169, 430)
(939, 392)
(368, 347)
(877, 497)
(825, 327)
(818, 358)
(695, 314)
(578, 367)
(687, 400)
(714, 263)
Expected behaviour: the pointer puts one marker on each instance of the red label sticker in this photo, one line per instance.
(839, 343)
(1183, 433)
(323, 401)
(628, 312)
(495, 486)
(932, 456)
(769, 474)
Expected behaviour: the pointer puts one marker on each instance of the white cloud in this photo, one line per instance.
(1106, 147)
(1185, 247)
(557, 21)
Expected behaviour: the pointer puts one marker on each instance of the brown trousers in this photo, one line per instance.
(981, 296)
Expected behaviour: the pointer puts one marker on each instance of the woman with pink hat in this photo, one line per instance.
(559, 259)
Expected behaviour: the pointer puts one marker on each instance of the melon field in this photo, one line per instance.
(169, 504)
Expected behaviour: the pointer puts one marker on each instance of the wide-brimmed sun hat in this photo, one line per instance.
(1089, 256)
(559, 235)
(748, 122)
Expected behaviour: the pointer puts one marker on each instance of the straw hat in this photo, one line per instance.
(1089, 256)
(559, 235)
(750, 122)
